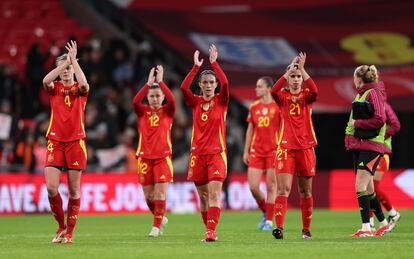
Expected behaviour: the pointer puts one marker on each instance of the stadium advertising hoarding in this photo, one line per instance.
(115, 193)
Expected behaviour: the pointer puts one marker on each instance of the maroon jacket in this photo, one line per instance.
(393, 124)
(377, 98)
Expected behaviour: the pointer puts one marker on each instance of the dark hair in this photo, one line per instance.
(367, 73)
(268, 80)
(154, 86)
(207, 72)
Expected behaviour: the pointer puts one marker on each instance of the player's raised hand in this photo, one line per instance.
(302, 60)
(160, 73)
(213, 53)
(197, 60)
(72, 49)
(151, 77)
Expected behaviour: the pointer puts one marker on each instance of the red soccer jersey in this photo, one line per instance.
(154, 125)
(296, 130)
(209, 117)
(266, 120)
(67, 105)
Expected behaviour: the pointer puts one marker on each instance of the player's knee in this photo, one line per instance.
(52, 190)
(74, 193)
(283, 190)
(305, 193)
(214, 197)
(159, 196)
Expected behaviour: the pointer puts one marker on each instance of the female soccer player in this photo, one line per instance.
(208, 159)
(295, 154)
(66, 149)
(393, 126)
(260, 149)
(364, 136)
(154, 147)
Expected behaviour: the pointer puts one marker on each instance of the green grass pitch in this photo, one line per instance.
(125, 236)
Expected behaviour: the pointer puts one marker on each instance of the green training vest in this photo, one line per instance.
(350, 130)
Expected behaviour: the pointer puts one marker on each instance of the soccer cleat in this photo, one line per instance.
(60, 233)
(362, 233)
(383, 230)
(394, 219)
(67, 239)
(373, 229)
(262, 222)
(211, 235)
(155, 232)
(267, 227)
(278, 233)
(163, 224)
(306, 234)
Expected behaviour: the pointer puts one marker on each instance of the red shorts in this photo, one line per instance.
(384, 164)
(262, 163)
(69, 155)
(206, 168)
(155, 170)
(301, 162)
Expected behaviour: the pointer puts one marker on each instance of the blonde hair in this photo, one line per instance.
(367, 73)
(61, 58)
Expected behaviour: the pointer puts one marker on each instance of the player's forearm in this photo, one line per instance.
(248, 139)
(392, 121)
(137, 102)
(313, 89)
(169, 96)
(224, 82)
(52, 75)
(80, 76)
(185, 85)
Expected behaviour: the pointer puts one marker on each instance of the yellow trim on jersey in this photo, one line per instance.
(170, 166)
(139, 165)
(282, 129)
(387, 161)
(169, 138)
(221, 140)
(81, 121)
(139, 143)
(311, 125)
(50, 123)
(192, 136)
(83, 146)
(253, 139)
(223, 155)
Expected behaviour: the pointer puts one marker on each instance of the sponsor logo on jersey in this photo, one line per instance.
(76, 163)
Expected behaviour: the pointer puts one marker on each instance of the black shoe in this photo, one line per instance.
(306, 234)
(278, 233)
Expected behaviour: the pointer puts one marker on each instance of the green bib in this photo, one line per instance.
(350, 130)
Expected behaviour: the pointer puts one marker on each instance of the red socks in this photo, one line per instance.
(270, 210)
(306, 205)
(382, 197)
(150, 205)
(73, 211)
(262, 205)
(280, 210)
(204, 216)
(57, 209)
(159, 211)
(213, 215)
